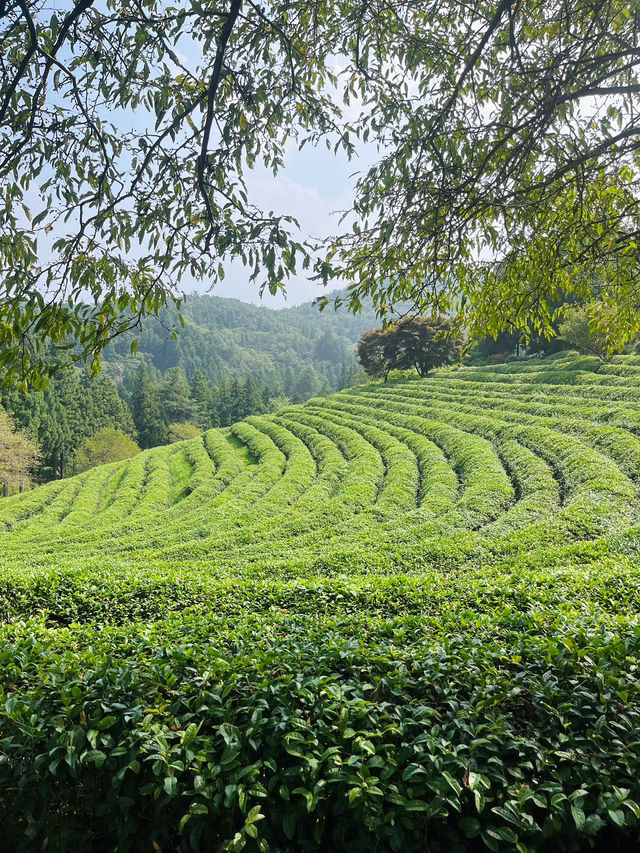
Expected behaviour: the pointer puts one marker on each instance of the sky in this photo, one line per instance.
(316, 187)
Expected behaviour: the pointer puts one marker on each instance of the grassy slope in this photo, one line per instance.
(405, 612)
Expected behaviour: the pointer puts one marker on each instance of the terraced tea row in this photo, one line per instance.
(402, 618)
(475, 451)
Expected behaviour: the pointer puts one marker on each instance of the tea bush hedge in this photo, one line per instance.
(402, 618)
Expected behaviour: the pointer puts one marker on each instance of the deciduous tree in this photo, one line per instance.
(18, 456)
(107, 445)
(125, 131)
(424, 343)
(415, 342)
(509, 163)
(510, 172)
(375, 353)
(580, 330)
(183, 431)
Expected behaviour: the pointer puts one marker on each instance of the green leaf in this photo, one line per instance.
(416, 806)
(578, 817)
(616, 816)
(95, 756)
(289, 822)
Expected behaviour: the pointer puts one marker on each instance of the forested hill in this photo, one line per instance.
(223, 337)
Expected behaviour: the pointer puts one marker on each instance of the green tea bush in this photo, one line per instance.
(402, 618)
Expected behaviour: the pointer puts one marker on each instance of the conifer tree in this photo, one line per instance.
(202, 400)
(252, 401)
(175, 397)
(236, 408)
(146, 412)
(307, 385)
(103, 406)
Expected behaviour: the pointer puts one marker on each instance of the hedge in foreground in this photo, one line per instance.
(345, 732)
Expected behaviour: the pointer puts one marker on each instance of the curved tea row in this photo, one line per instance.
(478, 455)
(406, 616)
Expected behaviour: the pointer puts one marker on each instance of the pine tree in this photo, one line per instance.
(222, 404)
(307, 385)
(202, 400)
(236, 403)
(65, 420)
(103, 406)
(175, 397)
(252, 401)
(147, 416)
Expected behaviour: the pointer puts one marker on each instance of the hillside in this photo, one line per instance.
(404, 612)
(226, 337)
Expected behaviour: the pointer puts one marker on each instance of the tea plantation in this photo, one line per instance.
(401, 618)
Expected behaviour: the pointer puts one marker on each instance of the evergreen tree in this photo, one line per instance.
(146, 412)
(236, 404)
(252, 401)
(307, 385)
(222, 404)
(175, 397)
(329, 347)
(72, 407)
(103, 406)
(202, 400)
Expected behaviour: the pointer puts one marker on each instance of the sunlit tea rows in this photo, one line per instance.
(403, 617)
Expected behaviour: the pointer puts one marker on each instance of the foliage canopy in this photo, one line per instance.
(579, 331)
(183, 431)
(508, 171)
(511, 175)
(107, 445)
(125, 130)
(18, 455)
(416, 342)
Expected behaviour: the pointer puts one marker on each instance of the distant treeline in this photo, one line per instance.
(74, 407)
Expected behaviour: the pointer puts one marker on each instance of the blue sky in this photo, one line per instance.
(315, 186)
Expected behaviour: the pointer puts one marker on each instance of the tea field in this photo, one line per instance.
(401, 618)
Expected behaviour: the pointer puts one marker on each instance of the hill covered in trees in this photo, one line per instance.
(229, 360)
(301, 348)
